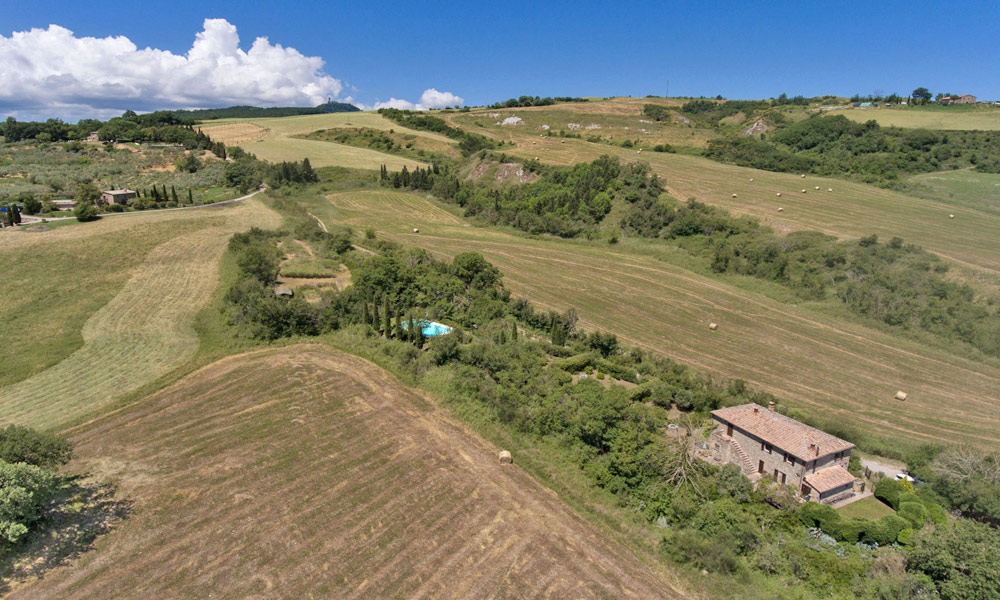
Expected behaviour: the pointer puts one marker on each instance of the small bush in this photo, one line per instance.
(914, 512)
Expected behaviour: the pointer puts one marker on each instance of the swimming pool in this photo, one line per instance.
(431, 328)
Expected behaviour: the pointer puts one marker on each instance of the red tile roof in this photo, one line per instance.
(795, 438)
(829, 478)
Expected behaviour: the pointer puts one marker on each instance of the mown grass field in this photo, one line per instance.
(867, 508)
(833, 369)
(275, 140)
(943, 117)
(307, 473)
(137, 314)
(60, 281)
(965, 188)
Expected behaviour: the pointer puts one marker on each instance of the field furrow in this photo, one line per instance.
(351, 486)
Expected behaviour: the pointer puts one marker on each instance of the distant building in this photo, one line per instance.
(117, 196)
(64, 204)
(93, 137)
(964, 99)
(763, 442)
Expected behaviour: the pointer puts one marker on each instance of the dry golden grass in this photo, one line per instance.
(234, 134)
(307, 473)
(146, 330)
(277, 141)
(830, 367)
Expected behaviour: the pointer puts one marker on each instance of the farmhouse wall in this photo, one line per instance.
(754, 455)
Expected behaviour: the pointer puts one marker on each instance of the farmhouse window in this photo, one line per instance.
(760, 466)
(729, 430)
(782, 479)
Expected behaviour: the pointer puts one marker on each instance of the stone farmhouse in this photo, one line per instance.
(762, 442)
(117, 196)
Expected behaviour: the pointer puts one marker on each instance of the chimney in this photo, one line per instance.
(756, 409)
(770, 406)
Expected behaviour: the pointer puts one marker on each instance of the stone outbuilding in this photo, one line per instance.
(763, 442)
(117, 197)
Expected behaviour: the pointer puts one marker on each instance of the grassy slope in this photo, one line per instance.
(948, 118)
(964, 188)
(61, 281)
(278, 143)
(368, 489)
(868, 508)
(852, 210)
(145, 330)
(813, 360)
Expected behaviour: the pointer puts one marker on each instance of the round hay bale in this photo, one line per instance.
(900, 395)
(506, 458)
(817, 187)
(533, 143)
(778, 194)
(829, 189)
(803, 190)
(950, 216)
(781, 209)
(734, 195)
(713, 326)
(751, 180)
(803, 176)
(415, 230)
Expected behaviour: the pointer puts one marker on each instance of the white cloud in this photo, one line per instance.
(431, 98)
(51, 72)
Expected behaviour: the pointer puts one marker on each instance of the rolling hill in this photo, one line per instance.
(303, 472)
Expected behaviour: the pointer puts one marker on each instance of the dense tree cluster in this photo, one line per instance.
(838, 146)
(525, 101)
(254, 112)
(468, 142)
(157, 127)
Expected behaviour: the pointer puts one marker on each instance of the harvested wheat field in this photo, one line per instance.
(307, 473)
(840, 369)
(145, 330)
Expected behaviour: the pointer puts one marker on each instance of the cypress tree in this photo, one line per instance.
(420, 337)
(17, 214)
(173, 194)
(190, 197)
(503, 337)
(374, 315)
(513, 332)
(399, 327)
(307, 171)
(412, 330)
(164, 196)
(388, 324)
(365, 316)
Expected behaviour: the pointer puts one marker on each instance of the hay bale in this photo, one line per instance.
(803, 176)
(950, 216)
(506, 458)
(901, 395)
(817, 187)
(829, 189)
(778, 194)
(734, 195)
(803, 190)
(781, 209)
(751, 180)
(713, 326)
(415, 230)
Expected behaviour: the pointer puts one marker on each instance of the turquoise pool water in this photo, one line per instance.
(431, 329)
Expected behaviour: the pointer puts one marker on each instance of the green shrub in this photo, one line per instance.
(914, 512)
(20, 444)
(905, 536)
(26, 490)
(850, 530)
(704, 552)
(889, 490)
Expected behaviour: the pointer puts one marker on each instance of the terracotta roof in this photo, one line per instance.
(795, 438)
(829, 478)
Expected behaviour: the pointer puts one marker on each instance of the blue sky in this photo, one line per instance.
(484, 53)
